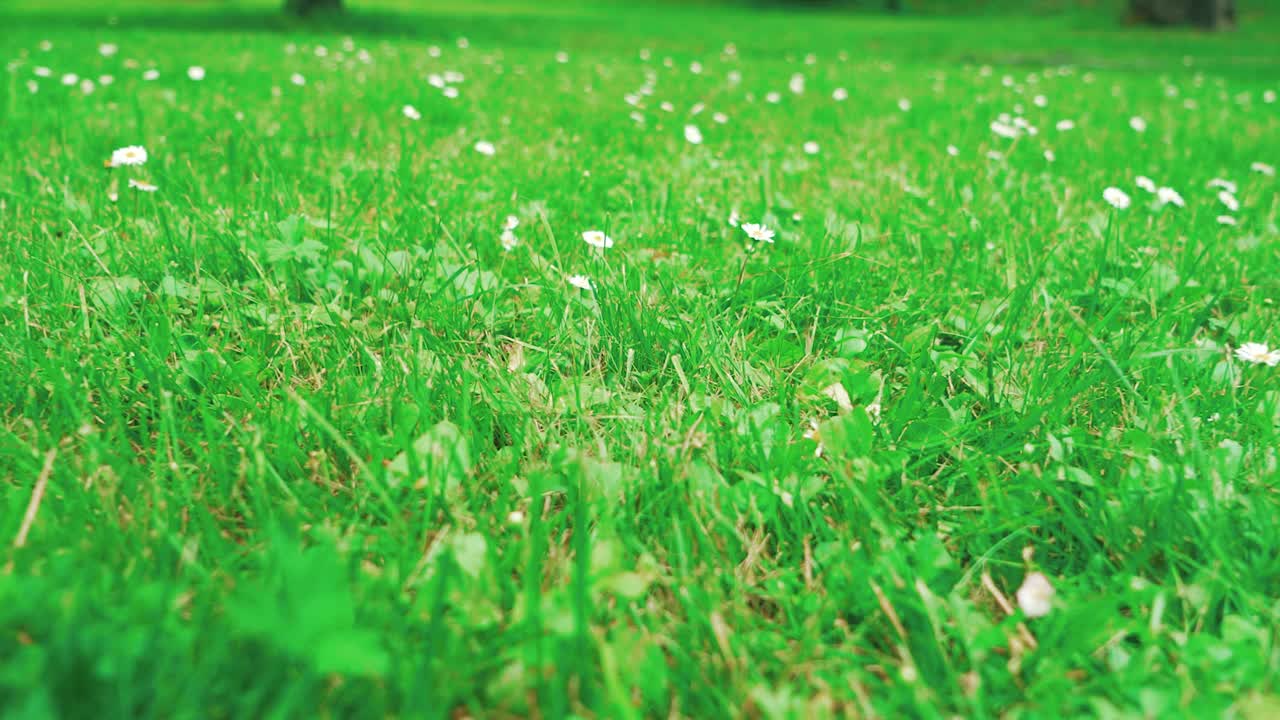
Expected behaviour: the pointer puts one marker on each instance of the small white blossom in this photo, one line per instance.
(1035, 596)
(1116, 198)
(904, 104)
(509, 240)
(1167, 196)
(1226, 198)
(1224, 185)
(1145, 183)
(692, 134)
(195, 72)
(511, 223)
(129, 155)
(811, 148)
(298, 79)
(142, 185)
(758, 232)
(582, 282)
(1265, 169)
(597, 239)
(1066, 125)
(484, 147)
(1138, 124)
(1226, 220)
(840, 94)
(411, 112)
(108, 49)
(151, 74)
(1258, 354)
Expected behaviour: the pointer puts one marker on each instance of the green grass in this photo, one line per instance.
(293, 436)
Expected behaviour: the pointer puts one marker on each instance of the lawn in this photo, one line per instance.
(433, 364)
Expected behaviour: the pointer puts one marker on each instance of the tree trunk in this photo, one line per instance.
(1208, 14)
(309, 7)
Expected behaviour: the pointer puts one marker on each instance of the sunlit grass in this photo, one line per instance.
(631, 363)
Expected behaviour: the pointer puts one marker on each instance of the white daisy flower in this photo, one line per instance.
(70, 79)
(87, 86)
(105, 80)
(796, 84)
(719, 118)
(509, 240)
(1048, 155)
(511, 223)
(450, 92)
(436, 81)
(142, 185)
(1004, 130)
(904, 104)
(298, 79)
(1145, 183)
(195, 72)
(693, 134)
(129, 155)
(562, 57)
(953, 151)
(1040, 101)
(108, 49)
(773, 97)
(42, 71)
(1138, 124)
(582, 282)
(839, 94)
(33, 87)
(597, 239)
(1223, 185)
(151, 74)
(1268, 96)
(1226, 220)
(1167, 195)
(733, 217)
(758, 232)
(1258, 354)
(1226, 198)
(484, 147)
(1035, 596)
(1066, 125)
(1116, 198)
(411, 112)
(1265, 169)
(811, 148)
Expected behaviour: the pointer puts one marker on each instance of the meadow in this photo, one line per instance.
(613, 362)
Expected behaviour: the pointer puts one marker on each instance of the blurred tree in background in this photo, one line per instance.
(307, 7)
(1212, 14)
(1209, 14)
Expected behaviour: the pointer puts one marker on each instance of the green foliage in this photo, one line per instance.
(309, 441)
